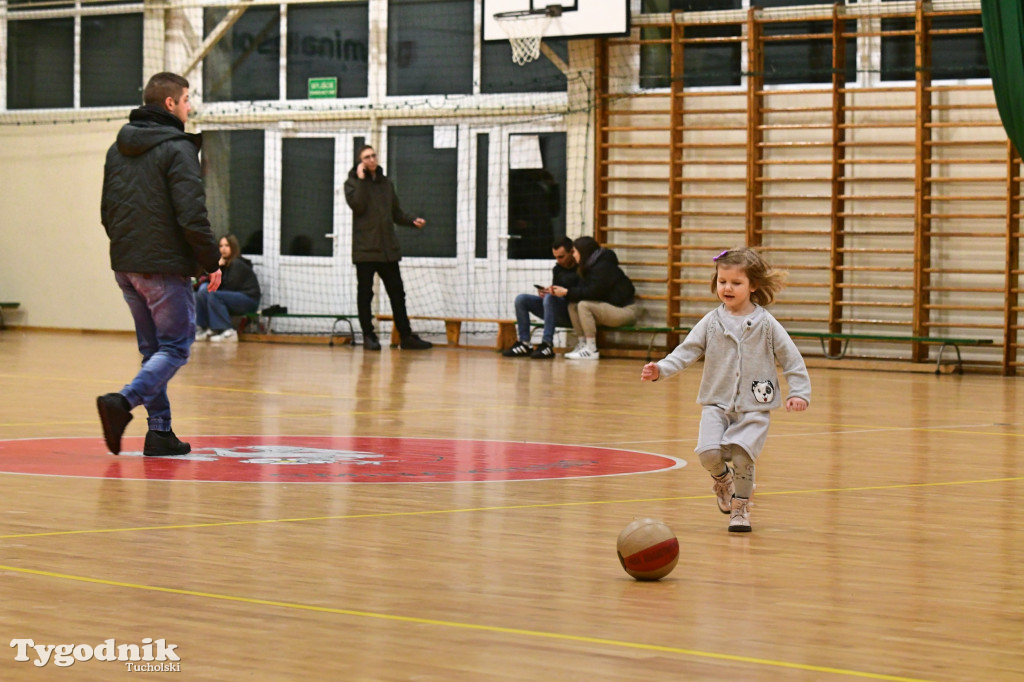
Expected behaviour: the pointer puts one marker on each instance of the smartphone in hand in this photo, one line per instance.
(537, 286)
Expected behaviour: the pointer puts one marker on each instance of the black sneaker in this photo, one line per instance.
(370, 342)
(164, 444)
(518, 350)
(413, 342)
(115, 413)
(543, 352)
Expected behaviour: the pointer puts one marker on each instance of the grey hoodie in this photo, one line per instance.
(740, 374)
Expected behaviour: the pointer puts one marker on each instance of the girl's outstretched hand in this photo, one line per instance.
(796, 405)
(650, 372)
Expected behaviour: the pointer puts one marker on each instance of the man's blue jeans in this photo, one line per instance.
(164, 309)
(552, 309)
(214, 311)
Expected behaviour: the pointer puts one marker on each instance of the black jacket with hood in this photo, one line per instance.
(153, 205)
(604, 281)
(375, 211)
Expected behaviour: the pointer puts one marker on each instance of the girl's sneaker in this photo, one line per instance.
(739, 522)
(724, 491)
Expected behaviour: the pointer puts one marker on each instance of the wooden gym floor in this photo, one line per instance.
(888, 534)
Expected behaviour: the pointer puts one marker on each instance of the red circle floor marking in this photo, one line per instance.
(328, 459)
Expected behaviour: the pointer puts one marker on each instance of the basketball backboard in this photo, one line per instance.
(571, 18)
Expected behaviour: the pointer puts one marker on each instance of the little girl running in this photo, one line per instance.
(740, 342)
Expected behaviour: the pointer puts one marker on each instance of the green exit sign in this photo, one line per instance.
(323, 87)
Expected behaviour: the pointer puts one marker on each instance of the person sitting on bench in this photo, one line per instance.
(604, 296)
(554, 310)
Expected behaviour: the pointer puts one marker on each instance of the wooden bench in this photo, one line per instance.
(453, 329)
(943, 343)
(264, 322)
(6, 305)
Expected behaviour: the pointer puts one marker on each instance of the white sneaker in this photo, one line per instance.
(203, 334)
(226, 335)
(587, 352)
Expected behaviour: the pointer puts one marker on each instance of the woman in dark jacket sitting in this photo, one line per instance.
(604, 296)
(239, 294)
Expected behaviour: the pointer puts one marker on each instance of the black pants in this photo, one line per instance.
(391, 276)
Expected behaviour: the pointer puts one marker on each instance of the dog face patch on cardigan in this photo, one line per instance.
(763, 390)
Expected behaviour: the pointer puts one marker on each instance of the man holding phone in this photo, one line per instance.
(375, 250)
(553, 310)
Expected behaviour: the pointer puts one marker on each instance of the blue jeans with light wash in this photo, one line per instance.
(164, 310)
(214, 311)
(552, 309)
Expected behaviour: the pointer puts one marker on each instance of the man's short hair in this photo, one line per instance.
(359, 154)
(164, 85)
(563, 243)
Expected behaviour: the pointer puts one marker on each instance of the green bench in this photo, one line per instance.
(264, 322)
(942, 341)
(6, 305)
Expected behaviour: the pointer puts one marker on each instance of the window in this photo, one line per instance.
(41, 61)
(803, 61)
(307, 197)
(483, 146)
(112, 60)
(425, 179)
(430, 47)
(245, 62)
(704, 64)
(953, 56)
(41, 64)
(233, 175)
(498, 73)
(328, 41)
(536, 194)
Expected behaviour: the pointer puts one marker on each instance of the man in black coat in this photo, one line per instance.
(154, 211)
(375, 249)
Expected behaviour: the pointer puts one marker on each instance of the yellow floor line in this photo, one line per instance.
(472, 626)
(428, 512)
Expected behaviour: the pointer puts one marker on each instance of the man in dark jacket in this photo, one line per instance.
(154, 211)
(554, 310)
(375, 250)
(605, 296)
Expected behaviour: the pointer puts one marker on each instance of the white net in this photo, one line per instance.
(525, 32)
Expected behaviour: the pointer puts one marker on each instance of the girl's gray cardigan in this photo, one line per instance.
(740, 374)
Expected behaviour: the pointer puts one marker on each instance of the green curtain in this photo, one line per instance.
(1003, 22)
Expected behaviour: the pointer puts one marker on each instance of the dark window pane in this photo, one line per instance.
(233, 175)
(328, 41)
(245, 63)
(536, 197)
(498, 73)
(805, 61)
(430, 47)
(704, 65)
(953, 56)
(483, 144)
(660, 6)
(36, 4)
(40, 64)
(425, 180)
(111, 60)
(307, 197)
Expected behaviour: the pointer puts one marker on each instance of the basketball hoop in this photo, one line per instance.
(525, 29)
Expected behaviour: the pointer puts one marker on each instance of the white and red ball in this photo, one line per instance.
(648, 549)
